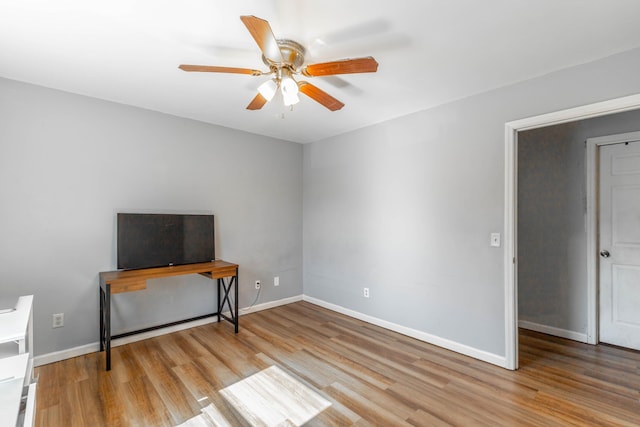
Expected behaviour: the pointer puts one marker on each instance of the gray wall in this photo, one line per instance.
(552, 239)
(406, 207)
(69, 163)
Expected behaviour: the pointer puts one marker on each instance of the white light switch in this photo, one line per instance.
(495, 240)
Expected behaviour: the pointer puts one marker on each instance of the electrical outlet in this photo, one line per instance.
(276, 281)
(57, 320)
(257, 284)
(365, 292)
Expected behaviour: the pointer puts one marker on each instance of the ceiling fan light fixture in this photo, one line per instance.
(289, 88)
(268, 89)
(290, 98)
(288, 85)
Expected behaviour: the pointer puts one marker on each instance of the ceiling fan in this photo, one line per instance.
(285, 59)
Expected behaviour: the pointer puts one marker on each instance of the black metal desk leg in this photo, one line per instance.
(219, 301)
(232, 281)
(236, 300)
(101, 296)
(107, 324)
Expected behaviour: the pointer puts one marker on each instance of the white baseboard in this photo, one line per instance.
(413, 333)
(551, 330)
(423, 336)
(270, 304)
(57, 356)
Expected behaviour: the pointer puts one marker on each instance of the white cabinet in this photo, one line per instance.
(16, 330)
(13, 377)
(17, 389)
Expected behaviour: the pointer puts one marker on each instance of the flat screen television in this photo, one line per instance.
(158, 240)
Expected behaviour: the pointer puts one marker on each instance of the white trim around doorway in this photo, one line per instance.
(512, 128)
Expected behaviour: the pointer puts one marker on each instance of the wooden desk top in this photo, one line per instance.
(135, 280)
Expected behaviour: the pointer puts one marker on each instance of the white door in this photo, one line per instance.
(619, 244)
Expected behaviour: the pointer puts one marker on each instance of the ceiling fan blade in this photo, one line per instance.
(320, 96)
(263, 35)
(257, 102)
(214, 69)
(344, 66)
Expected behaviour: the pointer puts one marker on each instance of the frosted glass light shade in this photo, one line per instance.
(289, 89)
(289, 86)
(268, 89)
(290, 98)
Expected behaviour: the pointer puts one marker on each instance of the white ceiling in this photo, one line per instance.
(430, 52)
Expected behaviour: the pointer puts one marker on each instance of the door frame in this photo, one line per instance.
(593, 260)
(510, 261)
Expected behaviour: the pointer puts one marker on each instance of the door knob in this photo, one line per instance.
(604, 253)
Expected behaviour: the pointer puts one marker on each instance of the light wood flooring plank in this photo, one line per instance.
(371, 376)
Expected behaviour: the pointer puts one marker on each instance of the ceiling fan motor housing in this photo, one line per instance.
(292, 55)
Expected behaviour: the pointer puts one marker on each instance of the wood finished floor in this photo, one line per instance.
(370, 375)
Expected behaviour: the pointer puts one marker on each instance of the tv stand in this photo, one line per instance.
(112, 282)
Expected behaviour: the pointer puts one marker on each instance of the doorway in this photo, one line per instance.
(552, 239)
(553, 254)
(511, 187)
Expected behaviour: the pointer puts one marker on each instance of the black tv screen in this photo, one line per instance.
(157, 240)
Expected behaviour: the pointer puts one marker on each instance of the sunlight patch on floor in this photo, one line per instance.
(270, 398)
(274, 398)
